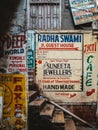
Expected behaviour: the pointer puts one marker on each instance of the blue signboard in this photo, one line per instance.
(31, 52)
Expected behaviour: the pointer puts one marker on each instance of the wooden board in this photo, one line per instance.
(58, 117)
(30, 93)
(69, 124)
(47, 111)
(37, 102)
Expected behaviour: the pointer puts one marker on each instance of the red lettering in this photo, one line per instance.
(17, 58)
(8, 41)
(13, 41)
(18, 122)
(18, 95)
(17, 79)
(90, 48)
(16, 42)
(18, 106)
(89, 93)
(72, 95)
(22, 38)
(18, 88)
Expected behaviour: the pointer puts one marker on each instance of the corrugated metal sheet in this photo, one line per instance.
(44, 15)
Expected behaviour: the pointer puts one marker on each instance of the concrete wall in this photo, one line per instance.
(66, 18)
(17, 25)
(19, 22)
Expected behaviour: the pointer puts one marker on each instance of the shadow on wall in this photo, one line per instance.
(7, 13)
(3, 65)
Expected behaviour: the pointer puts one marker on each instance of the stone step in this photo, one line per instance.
(69, 124)
(32, 95)
(58, 118)
(37, 105)
(47, 111)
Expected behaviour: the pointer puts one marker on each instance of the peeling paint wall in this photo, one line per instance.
(18, 24)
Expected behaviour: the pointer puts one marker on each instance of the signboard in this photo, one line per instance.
(90, 67)
(58, 75)
(84, 11)
(2, 88)
(31, 55)
(67, 65)
(14, 53)
(59, 63)
(15, 101)
(59, 46)
(31, 48)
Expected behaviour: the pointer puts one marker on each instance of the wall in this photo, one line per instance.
(66, 17)
(19, 21)
(14, 39)
(13, 59)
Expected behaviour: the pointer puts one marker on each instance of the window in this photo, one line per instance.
(45, 15)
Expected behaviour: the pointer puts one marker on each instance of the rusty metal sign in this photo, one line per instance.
(83, 11)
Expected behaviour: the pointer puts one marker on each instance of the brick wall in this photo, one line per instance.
(85, 111)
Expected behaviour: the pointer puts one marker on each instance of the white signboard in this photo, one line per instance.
(66, 66)
(14, 53)
(59, 46)
(59, 75)
(57, 58)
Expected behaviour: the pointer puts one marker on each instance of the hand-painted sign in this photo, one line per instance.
(31, 55)
(66, 66)
(59, 75)
(31, 48)
(90, 68)
(59, 46)
(14, 56)
(59, 64)
(84, 11)
(2, 88)
(15, 101)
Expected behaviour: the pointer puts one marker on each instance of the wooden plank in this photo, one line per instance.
(58, 117)
(31, 92)
(37, 102)
(36, 106)
(71, 114)
(47, 111)
(69, 124)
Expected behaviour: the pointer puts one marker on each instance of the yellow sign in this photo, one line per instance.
(15, 101)
(1, 100)
(1, 90)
